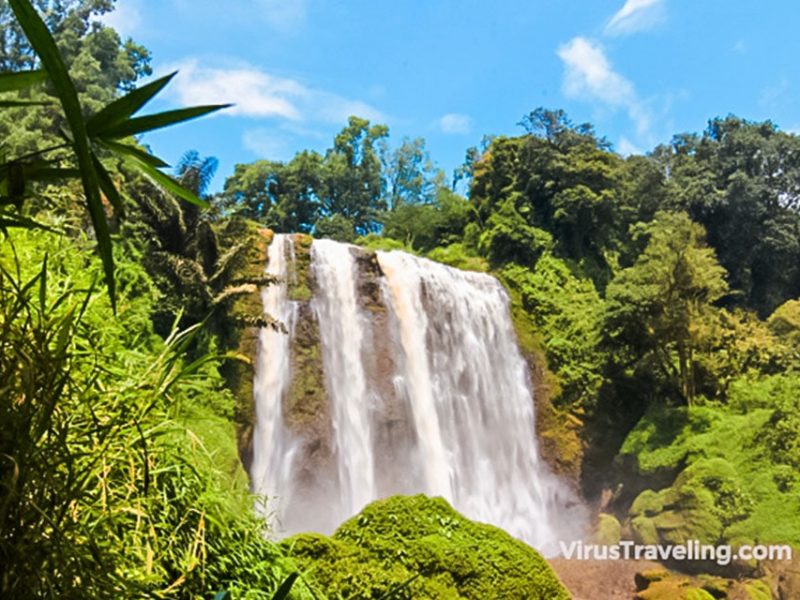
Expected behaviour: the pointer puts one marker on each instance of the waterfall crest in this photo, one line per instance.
(426, 392)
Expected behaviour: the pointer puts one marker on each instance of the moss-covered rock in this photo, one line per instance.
(608, 530)
(422, 548)
(300, 282)
(717, 477)
(239, 374)
(705, 499)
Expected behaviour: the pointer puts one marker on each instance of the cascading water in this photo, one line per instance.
(427, 393)
(273, 447)
(342, 332)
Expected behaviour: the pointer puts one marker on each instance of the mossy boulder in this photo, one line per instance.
(608, 530)
(705, 499)
(420, 547)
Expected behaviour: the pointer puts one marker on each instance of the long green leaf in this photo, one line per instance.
(14, 219)
(157, 121)
(45, 47)
(124, 107)
(166, 182)
(107, 185)
(286, 587)
(20, 80)
(15, 103)
(126, 150)
(52, 174)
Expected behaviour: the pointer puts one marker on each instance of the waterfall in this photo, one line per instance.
(426, 392)
(342, 332)
(273, 447)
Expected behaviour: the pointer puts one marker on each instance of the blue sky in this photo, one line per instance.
(452, 71)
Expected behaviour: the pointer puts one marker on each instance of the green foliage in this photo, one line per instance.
(336, 227)
(410, 175)
(458, 256)
(425, 227)
(737, 180)
(785, 323)
(566, 311)
(559, 178)
(89, 139)
(393, 540)
(508, 238)
(282, 196)
(732, 468)
(116, 451)
(660, 309)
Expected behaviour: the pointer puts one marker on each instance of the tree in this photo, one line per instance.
(561, 179)
(410, 175)
(92, 138)
(353, 185)
(427, 226)
(283, 196)
(741, 181)
(661, 309)
(100, 64)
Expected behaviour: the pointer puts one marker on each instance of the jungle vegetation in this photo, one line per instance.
(662, 292)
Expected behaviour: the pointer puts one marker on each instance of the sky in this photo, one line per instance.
(454, 71)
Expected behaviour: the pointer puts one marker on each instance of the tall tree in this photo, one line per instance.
(661, 309)
(283, 196)
(741, 180)
(560, 178)
(353, 186)
(100, 63)
(410, 175)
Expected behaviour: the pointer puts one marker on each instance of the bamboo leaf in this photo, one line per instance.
(45, 47)
(107, 185)
(43, 285)
(16, 220)
(286, 587)
(157, 121)
(166, 182)
(10, 82)
(15, 103)
(121, 109)
(123, 150)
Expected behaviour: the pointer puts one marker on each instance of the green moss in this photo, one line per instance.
(424, 543)
(300, 278)
(758, 590)
(729, 477)
(608, 530)
(668, 586)
(239, 374)
(306, 400)
(376, 242)
(457, 255)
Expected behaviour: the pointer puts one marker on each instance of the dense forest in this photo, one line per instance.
(658, 294)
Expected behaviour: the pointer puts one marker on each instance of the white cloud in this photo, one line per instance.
(635, 15)
(455, 123)
(257, 93)
(589, 74)
(126, 18)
